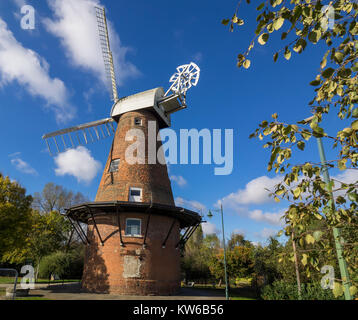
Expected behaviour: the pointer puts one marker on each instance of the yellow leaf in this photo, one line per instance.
(247, 64)
(310, 239)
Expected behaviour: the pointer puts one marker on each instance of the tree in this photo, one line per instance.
(196, 256)
(239, 259)
(266, 261)
(15, 219)
(66, 265)
(336, 87)
(49, 234)
(212, 241)
(56, 198)
(237, 239)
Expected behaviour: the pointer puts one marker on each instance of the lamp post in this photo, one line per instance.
(336, 232)
(225, 267)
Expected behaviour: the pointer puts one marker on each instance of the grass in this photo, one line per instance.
(10, 280)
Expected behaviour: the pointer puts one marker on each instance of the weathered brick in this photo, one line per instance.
(150, 270)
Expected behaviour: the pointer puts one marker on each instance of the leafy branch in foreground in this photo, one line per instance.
(334, 204)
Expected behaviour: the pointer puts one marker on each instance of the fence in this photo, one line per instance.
(8, 276)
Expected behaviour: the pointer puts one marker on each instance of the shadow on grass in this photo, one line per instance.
(64, 288)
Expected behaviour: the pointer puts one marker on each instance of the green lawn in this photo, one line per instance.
(10, 280)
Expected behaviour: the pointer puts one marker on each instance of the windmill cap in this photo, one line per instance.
(139, 101)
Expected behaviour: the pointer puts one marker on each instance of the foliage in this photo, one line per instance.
(196, 256)
(237, 239)
(48, 233)
(67, 265)
(282, 290)
(15, 218)
(266, 262)
(306, 23)
(239, 257)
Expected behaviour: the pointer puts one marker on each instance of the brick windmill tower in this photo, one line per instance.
(135, 233)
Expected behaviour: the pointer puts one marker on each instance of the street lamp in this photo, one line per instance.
(225, 268)
(336, 232)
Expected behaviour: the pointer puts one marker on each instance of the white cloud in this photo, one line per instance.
(180, 181)
(31, 71)
(78, 163)
(22, 166)
(347, 176)
(209, 228)
(273, 218)
(191, 204)
(253, 193)
(76, 25)
(265, 233)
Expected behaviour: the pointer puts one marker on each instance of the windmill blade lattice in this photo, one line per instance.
(106, 52)
(62, 140)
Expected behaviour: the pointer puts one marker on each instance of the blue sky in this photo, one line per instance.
(50, 79)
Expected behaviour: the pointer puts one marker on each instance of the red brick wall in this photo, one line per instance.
(152, 178)
(159, 268)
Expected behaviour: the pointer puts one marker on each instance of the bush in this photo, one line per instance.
(67, 265)
(281, 290)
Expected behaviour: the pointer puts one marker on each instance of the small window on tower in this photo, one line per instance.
(137, 121)
(114, 165)
(135, 194)
(133, 227)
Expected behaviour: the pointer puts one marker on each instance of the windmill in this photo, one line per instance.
(133, 237)
(173, 100)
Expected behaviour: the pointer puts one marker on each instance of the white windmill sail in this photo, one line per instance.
(106, 51)
(163, 103)
(62, 140)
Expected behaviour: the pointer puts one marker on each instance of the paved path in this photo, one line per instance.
(72, 291)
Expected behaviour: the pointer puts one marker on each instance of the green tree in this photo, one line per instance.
(196, 256)
(306, 23)
(67, 265)
(239, 259)
(266, 261)
(48, 234)
(237, 239)
(15, 219)
(212, 241)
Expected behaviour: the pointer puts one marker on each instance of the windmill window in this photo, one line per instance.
(133, 227)
(135, 195)
(114, 165)
(138, 121)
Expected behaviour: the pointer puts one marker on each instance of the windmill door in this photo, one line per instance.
(135, 195)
